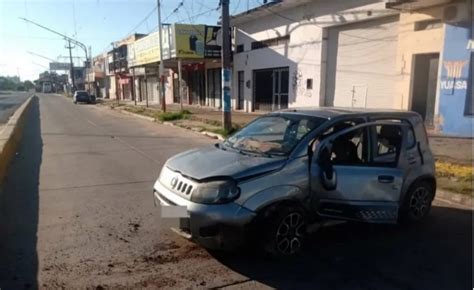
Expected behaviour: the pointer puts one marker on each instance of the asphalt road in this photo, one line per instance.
(76, 211)
(9, 102)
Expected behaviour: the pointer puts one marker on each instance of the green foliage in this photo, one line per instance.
(13, 84)
(226, 133)
(172, 116)
(28, 85)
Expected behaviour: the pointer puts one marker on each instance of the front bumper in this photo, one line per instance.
(220, 226)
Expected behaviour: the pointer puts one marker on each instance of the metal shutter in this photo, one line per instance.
(361, 64)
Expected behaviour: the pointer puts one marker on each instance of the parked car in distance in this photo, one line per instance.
(83, 96)
(291, 168)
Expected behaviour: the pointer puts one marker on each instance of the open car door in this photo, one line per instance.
(354, 173)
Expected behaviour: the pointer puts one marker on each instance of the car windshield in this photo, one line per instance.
(274, 135)
(82, 93)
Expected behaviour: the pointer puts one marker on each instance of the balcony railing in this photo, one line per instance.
(120, 65)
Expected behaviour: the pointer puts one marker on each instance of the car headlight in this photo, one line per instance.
(216, 192)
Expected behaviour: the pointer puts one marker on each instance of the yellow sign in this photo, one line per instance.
(454, 68)
(189, 40)
(147, 49)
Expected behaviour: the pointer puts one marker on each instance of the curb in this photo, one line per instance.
(151, 119)
(447, 196)
(10, 136)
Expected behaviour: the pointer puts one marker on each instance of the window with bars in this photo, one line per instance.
(270, 42)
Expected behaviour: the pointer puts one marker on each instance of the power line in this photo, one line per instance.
(236, 7)
(142, 21)
(174, 10)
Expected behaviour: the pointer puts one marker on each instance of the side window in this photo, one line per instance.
(388, 144)
(339, 127)
(350, 148)
(411, 140)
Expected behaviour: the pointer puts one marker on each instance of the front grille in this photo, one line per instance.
(177, 183)
(182, 186)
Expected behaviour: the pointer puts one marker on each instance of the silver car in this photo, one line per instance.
(293, 168)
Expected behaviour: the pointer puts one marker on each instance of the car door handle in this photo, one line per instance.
(386, 178)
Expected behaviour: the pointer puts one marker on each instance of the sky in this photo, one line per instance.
(25, 48)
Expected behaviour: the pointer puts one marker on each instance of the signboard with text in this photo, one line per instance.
(189, 40)
(59, 66)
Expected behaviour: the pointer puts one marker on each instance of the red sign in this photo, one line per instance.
(124, 81)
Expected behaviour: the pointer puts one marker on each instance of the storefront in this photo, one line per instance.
(194, 48)
(456, 100)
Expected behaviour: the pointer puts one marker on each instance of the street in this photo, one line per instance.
(9, 102)
(77, 211)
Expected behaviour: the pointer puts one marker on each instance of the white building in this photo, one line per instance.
(314, 53)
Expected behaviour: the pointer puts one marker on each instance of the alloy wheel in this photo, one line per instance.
(290, 233)
(420, 202)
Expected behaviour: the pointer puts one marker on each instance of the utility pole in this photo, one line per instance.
(71, 67)
(162, 67)
(115, 72)
(179, 85)
(74, 41)
(226, 67)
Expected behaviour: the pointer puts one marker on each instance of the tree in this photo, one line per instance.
(28, 85)
(7, 84)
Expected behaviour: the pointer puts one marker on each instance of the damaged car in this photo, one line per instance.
(289, 169)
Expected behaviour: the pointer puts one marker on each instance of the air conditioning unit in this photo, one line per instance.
(455, 13)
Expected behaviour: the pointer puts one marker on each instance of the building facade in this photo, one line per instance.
(96, 81)
(117, 69)
(364, 53)
(191, 58)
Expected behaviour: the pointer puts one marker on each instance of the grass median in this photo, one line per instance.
(455, 177)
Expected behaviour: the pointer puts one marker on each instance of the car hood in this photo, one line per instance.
(213, 162)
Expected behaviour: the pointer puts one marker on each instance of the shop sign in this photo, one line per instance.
(189, 40)
(454, 75)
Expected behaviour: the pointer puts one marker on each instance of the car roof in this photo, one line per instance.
(81, 91)
(333, 112)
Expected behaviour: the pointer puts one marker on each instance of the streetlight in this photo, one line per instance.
(69, 40)
(72, 40)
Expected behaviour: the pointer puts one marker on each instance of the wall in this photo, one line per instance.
(411, 42)
(303, 53)
(456, 86)
(112, 87)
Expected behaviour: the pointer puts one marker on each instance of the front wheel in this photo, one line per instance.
(417, 203)
(284, 230)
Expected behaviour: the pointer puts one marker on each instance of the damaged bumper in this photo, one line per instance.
(220, 226)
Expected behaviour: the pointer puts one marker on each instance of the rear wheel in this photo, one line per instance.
(417, 204)
(284, 230)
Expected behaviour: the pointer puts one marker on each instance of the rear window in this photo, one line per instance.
(82, 93)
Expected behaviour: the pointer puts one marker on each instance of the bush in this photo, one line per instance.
(450, 170)
(226, 133)
(172, 116)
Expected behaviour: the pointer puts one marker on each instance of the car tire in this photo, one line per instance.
(284, 231)
(417, 203)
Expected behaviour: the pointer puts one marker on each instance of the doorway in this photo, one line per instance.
(240, 90)
(270, 89)
(424, 86)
